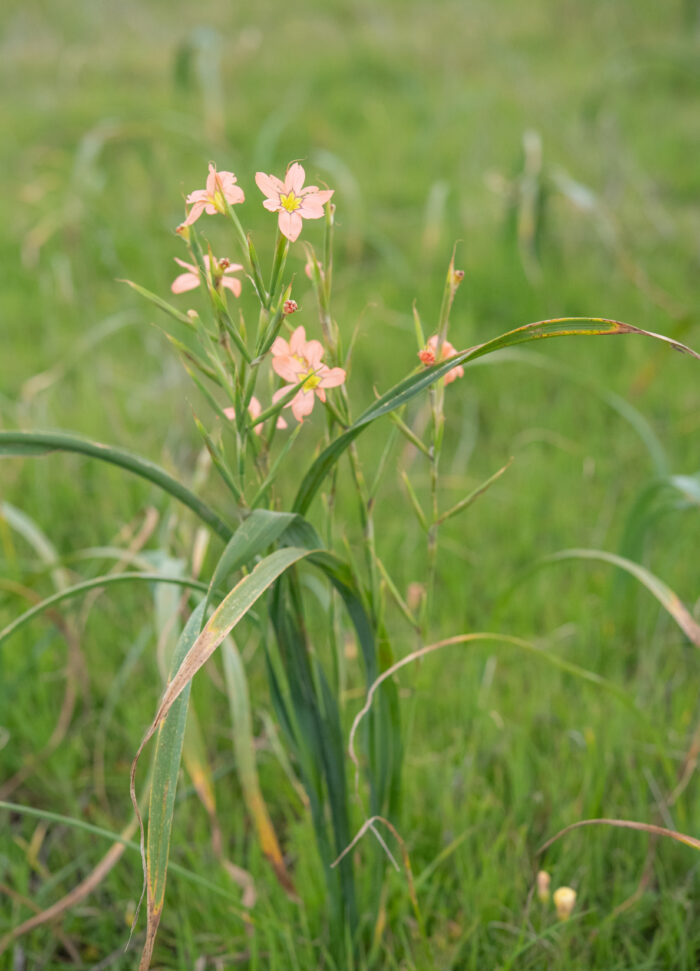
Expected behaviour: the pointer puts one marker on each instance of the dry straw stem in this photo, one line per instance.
(624, 824)
(465, 639)
(370, 824)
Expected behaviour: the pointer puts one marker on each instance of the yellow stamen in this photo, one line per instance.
(312, 380)
(290, 202)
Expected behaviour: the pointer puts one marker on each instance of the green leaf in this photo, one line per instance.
(413, 385)
(166, 767)
(16, 443)
(244, 747)
(229, 612)
(666, 597)
(104, 581)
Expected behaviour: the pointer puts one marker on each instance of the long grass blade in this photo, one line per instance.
(103, 581)
(413, 385)
(524, 645)
(166, 768)
(16, 443)
(239, 702)
(625, 824)
(666, 597)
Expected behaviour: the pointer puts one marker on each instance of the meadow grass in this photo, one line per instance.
(408, 110)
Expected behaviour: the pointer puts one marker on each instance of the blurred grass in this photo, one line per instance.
(108, 120)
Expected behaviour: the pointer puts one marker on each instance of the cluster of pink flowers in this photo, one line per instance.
(293, 201)
(297, 361)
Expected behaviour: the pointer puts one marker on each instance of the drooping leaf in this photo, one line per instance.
(666, 597)
(401, 393)
(104, 581)
(16, 443)
(166, 767)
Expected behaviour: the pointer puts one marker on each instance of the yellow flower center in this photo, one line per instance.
(218, 201)
(311, 380)
(290, 202)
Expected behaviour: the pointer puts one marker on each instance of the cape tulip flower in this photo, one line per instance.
(291, 200)
(300, 360)
(427, 357)
(218, 271)
(221, 189)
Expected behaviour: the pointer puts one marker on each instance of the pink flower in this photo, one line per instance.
(300, 360)
(427, 357)
(255, 410)
(291, 200)
(218, 272)
(221, 189)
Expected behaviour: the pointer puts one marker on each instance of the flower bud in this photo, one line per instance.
(564, 900)
(427, 356)
(543, 882)
(183, 231)
(457, 277)
(223, 263)
(289, 307)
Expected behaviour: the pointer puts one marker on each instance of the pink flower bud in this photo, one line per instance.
(543, 882)
(290, 307)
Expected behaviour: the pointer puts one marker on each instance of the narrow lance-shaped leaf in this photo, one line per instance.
(666, 597)
(239, 702)
(166, 767)
(413, 385)
(15, 443)
(109, 579)
(231, 610)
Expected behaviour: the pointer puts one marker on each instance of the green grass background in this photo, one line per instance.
(109, 115)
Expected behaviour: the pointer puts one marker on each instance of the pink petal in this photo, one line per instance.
(297, 342)
(234, 195)
(320, 393)
(269, 185)
(290, 224)
(280, 393)
(302, 404)
(232, 284)
(230, 413)
(308, 210)
(314, 352)
(254, 408)
(294, 180)
(271, 205)
(199, 195)
(233, 268)
(184, 282)
(185, 266)
(195, 212)
(211, 180)
(280, 423)
(332, 377)
(287, 368)
(280, 348)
